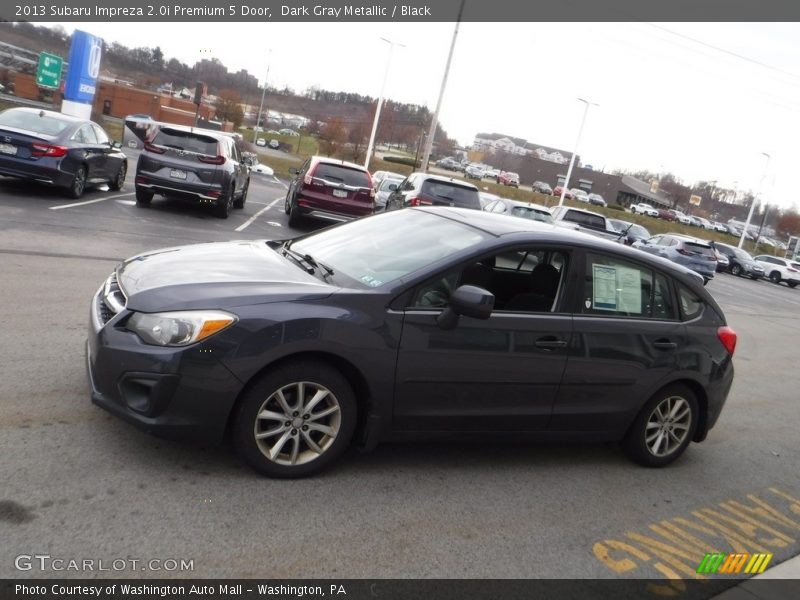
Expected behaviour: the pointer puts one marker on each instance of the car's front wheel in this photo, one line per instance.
(295, 420)
(775, 277)
(663, 428)
(736, 270)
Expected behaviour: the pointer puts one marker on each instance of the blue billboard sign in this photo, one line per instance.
(84, 67)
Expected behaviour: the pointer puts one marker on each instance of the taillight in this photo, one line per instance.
(309, 178)
(40, 150)
(153, 148)
(727, 336)
(212, 160)
(791, 270)
(413, 201)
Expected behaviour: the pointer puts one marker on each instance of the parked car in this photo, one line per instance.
(404, 325)
(379, 176)
(597, 200)
(474, 172)
(740, 262)
(719, 227)
(700, 222)
(679, 217)
(289, 132)
(666, 214)
(448, 163)
(491, 174)
(557, 192)
(261, 142)
(508, 178)
(693, 253)
(644, 209)
(541, 187)
(274, 144)
(516, 208)
(631, 232)
(423, 189)
(723, 262)
(485, 198)
(59, 150)
(329, 189)
(386, 187)
(196, 164)
(579, 195)
(779, 269)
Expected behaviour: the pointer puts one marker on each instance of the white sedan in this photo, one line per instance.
(262, 170)
(644, 209)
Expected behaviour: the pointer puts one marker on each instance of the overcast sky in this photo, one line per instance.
(701, 100)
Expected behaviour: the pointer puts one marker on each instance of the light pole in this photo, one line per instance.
(380, 103)
(755, 198)
(575, 151)
(263, 93)
(435, 121)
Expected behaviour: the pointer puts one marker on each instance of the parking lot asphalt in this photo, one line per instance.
(78, 483)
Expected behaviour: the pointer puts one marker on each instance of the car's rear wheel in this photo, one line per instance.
(143, 196)
(119, 179)
(243, 198)
(294, 215)
(224, 204)
(78, 184)
(663, 428)
(295, 420)
(736, 270)
(775, 277)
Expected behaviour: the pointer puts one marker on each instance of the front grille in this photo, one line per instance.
(111, 300)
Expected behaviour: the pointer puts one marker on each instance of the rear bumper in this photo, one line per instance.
(44, 171)
(174, 187)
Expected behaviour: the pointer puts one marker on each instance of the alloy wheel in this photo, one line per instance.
(297, 423)
(668, 425)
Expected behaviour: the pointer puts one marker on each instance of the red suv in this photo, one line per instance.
(331, 189)
(508, 178)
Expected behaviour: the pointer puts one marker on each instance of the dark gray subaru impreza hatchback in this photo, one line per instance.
(420, 322)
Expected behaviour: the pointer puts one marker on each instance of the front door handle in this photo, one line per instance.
(550, 343)
(664, 344)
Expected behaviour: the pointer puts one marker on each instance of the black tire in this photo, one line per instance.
(775, 277)
(297, 439)
(736, 270)
(295, 217)
(78, 184)
(118, 182)
(287, 205)
(792, 284)
(640, 449)
(143, 196)
(239, 203)
(224, 204)
(706, 280)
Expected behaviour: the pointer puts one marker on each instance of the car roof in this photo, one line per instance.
(335, 161)
(48, 113)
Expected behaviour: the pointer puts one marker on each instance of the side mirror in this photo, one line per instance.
(116, 145)
(392, 187)
(467, 300)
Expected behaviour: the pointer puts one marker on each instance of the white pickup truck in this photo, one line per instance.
(644, 209)
(585, 220)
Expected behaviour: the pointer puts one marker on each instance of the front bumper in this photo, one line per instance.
(175, 392)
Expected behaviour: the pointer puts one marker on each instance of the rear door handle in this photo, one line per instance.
(550, 343)
(665, 345)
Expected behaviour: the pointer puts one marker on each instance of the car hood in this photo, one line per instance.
(214, 275)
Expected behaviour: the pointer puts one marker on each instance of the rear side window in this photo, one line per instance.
(186, 140)
(584, 219)
(691, 304)
(615, 287)
(341, 174)
(458, 195)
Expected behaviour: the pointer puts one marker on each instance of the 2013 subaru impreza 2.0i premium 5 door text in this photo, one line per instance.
(410, 324)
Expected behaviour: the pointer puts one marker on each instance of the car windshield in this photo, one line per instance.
(388, 246)
(459, 195)
(532, 213)
(31, 121)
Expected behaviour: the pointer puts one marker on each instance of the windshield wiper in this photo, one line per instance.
(445, 197)
(309, 260)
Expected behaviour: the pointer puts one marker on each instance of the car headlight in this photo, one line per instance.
(179, 328)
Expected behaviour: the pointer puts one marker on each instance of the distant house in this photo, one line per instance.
(492, 142)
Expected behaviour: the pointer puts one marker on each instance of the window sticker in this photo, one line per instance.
(371, 281)
(629, 288)
(604, 287)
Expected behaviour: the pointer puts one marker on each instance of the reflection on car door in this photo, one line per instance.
(93, 154)
(627, 338)
(500, 374)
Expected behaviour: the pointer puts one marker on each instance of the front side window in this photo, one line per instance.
(615, 287)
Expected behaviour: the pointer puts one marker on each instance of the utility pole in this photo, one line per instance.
(263, 93)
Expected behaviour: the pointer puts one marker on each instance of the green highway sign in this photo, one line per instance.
(49, 72)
